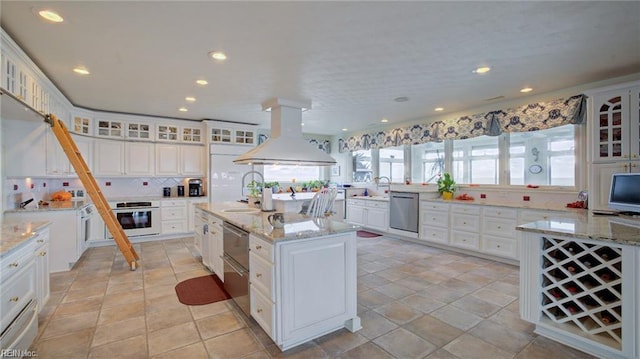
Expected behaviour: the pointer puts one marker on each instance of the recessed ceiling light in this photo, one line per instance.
(202, 82)
(302, 124)
(51, 15)
(345, 129)
(218, 55)
(183, 109)
(401, 99)
(438, 109)
(190, 99)
(526, 89)
(384, 120)
(482, 70)
(81, 70)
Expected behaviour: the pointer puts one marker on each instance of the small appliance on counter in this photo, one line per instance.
(180, 191)
(195, 188)
(166, 191)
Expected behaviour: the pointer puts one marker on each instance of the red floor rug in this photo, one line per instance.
(201, 290)
(365, 234)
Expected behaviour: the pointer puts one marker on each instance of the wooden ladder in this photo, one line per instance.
(91, 186)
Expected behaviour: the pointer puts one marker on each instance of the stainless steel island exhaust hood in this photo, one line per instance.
(286, 145)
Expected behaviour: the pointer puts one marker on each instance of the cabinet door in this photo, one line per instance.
(192, 160)
(317, 285)
(57, 161)
(611, 127)
(23, 151)
(139, 158)
(85, 145)
(634, 124)
(601, 181)
(42, 271)
(377, 218)
(167, 160)
(109, 128)
(108, 158)
(355, 214)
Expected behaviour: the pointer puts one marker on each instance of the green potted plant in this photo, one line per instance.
(275, 186)
(446, 186)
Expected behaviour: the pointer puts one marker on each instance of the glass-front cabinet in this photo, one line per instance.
(221, 135)
(191, 134)
(616, 125)
(167, 133)
(244, 137)
(138, 131)
(110, 128)
(81, 125)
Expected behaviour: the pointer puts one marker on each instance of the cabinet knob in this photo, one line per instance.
(42, 254)
(258, 248)
(464, 222)
(498, 246)
(258, 275)
(499, 227)
(13, 265)
(40, 241)
(259, 310)
(14, 299)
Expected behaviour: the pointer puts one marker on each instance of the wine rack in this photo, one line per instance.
(582, 287)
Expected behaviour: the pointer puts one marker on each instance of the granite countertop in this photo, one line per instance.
(53, 206)
(617, 229)
(149, 198)
(371, 198)
(297, 226)
(300, 196)
(549, 206)
(14, 234)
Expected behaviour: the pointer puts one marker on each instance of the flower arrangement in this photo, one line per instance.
(446, 186)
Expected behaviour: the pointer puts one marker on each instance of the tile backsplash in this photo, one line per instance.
(19, 189)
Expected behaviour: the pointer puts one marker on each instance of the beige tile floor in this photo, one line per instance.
(415, 301)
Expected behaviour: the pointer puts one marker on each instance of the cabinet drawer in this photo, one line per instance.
(213, 220)
(464, 222)
(435, 234)
(174, 227)
(465, 240)
(434, 206)
(435, 219)
(355, 202)
(377, 204)
(261, 248)
(500, 212)
(17, 292)
(499, 227)
(173, 213)
(466, 209)
(17, 260)
(530, 215)
(262, 310)
(499, 246)
(173, 203)
(261, 274)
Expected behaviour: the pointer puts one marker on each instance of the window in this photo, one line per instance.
(362, 171)
(392, 163)
(545, 157)
(283, 173)
(475, 160)
(427, 162)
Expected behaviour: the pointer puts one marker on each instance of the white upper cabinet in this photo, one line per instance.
(108, 158)
(138, 131)
(139, 159)
(616, 125)
(231, 135)
(192, 134)
(81, 124)
(167, 133)
(24, 150)
(172, 160)
(109, 128)
(167, 159)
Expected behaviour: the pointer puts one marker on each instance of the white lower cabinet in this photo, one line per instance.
(498, 232)
(465, 226)
(41, 255)
(216, 249)
(434, 222)
(372, 214)
(303, 289)
(173, 215)
(199, 229)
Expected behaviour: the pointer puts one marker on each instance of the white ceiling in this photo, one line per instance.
(351, 59)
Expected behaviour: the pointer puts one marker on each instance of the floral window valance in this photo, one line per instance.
(533, 117)
(324, 145)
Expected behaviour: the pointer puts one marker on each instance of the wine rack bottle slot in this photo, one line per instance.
(582, 286)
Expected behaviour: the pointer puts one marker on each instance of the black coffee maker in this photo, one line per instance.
(195, 188)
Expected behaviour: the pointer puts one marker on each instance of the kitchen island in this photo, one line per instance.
(580, 283)
(302, 276)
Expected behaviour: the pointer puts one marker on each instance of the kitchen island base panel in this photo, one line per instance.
(569, 339)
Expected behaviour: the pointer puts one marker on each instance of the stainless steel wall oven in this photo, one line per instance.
(138, 218)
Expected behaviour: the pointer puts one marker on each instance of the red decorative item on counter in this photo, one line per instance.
(576, 204)
(464, 197)
(532, 186)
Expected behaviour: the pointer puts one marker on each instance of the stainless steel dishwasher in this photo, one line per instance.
(403, 211)
(236, 265)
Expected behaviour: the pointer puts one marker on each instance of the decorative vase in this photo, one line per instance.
(447, 196)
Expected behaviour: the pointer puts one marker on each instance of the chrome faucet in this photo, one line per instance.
(261, 177)
(377, 181)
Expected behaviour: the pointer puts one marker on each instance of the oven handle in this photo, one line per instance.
(230, 261)
(234, 230)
